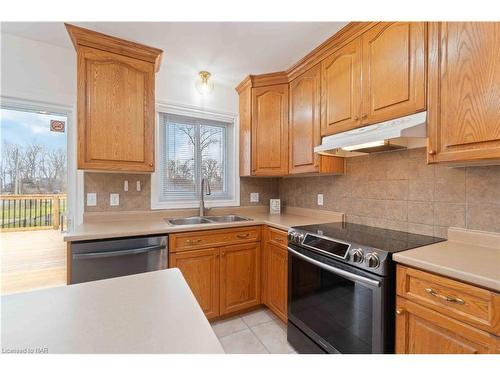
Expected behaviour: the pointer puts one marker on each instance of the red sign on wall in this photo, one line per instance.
(57, 126)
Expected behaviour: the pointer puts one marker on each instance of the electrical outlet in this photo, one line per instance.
(320, 199)
(138, 186)
(91, 199)
(125, 185)
(114, 199)
(254, 197)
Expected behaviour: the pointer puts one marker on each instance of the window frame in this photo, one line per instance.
(232, 149)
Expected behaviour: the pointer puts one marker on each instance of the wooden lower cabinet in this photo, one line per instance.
(275, 272)
(239, 277)
(277, 280)
(437, 315)
(224, 279)
(201, 271)
(420, 330)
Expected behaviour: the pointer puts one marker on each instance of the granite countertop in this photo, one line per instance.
(153, 312)
(154, 223)
(469, 256)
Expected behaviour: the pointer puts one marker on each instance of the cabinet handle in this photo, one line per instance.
(399, 311)
(243, 235)
(356, 118)
(150, 164)
(433, 293)
(277, 239)
(432, 152)
(193, 242)
(364, 116)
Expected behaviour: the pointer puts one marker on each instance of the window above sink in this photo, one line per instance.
(192, 145)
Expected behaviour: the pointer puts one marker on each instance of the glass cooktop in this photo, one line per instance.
(379, 238)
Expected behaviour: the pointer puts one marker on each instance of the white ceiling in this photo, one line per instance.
(229, 50)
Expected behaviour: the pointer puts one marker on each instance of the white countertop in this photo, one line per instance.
(152, 312)
(469, 256)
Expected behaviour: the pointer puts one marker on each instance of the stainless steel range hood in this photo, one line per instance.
(404, 132)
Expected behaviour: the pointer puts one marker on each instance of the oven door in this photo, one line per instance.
(336, 306)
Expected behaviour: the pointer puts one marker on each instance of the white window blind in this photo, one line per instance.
(191, 149)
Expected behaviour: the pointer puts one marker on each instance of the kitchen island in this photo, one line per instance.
(152, 312)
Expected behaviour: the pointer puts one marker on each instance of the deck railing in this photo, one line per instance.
(29, 212)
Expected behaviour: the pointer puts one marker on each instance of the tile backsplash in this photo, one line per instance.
(105, 183)
(268, 188)
(398, 190)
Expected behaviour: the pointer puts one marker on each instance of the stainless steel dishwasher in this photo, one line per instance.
(103, 259)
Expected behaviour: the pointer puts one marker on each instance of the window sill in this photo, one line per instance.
(194, 204)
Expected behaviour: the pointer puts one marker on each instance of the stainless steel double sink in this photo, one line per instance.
(206, 220)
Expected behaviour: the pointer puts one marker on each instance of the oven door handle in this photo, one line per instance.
(117, 253)
(337, 271)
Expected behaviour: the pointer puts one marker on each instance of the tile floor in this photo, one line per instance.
(256, 332)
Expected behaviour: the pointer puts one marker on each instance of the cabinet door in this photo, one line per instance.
(239, 277)
(305, 123)
(341, 89)
(464, 91)
(420, 330)
(393, 70)
(277, 280)
(201, 271)
(270, 130)
(115, 112)
(245, 111)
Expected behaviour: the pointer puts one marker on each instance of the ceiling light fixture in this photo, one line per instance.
(204, 85)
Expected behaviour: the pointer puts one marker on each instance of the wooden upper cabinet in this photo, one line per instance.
(200, 268)
(304, 126)
(239, 277)
(464, 92)
(115, 102)
(376, 77)
(341, 89)
(245, 131)
(393, 70)
(270, 130)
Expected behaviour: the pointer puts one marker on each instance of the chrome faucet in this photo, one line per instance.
(204, 182)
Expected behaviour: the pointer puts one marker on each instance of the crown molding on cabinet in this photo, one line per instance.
(89, 38)
(337, 40)
(261, 80)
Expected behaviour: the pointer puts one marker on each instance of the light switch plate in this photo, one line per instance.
(320, 199)
(138, 185)
(125, 185)
(254, 197)
(114, 199)
(91, 199)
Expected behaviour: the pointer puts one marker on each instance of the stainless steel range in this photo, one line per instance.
(342, 287)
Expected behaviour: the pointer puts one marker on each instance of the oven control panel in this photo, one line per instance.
(360, 256)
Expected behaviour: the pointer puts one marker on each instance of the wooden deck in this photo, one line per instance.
(32, 260)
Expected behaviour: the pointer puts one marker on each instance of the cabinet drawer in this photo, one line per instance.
(277, 237)
(212, 238)
(476, 306)
(420, 330)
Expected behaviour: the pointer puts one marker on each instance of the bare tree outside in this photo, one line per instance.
(32, 169)
(181, 169)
